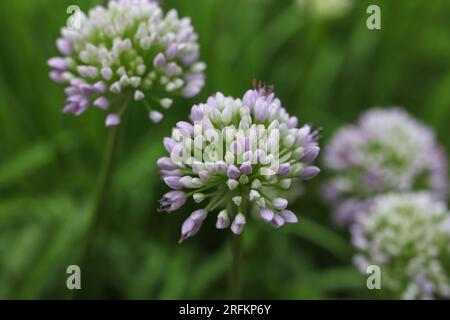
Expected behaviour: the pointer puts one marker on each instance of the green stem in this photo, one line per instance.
(98, 208)
(104, 181)
(234, 281)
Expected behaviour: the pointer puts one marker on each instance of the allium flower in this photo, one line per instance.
(325, 8)
(236, 155)
(129, 50)
(387, 150)
(408, 237)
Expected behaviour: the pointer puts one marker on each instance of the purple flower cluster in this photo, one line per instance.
(386, 151)
(128, 50)
(236, 155)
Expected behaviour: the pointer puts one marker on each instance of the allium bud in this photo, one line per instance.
(223, 221)
(198, 197)
(266, 214)
(280, 203)
(155, 116)
(288, 216)
(238, 224)
(172, 200)
(277, 221)
(112, 120)
(310, 172)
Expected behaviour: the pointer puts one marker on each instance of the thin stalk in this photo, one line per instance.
(234, 281)
(103, 186)
(99, 204)
(236, 253)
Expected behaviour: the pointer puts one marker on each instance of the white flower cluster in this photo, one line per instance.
(408, 236)
(129, 49)
(387, 150)
(325, 8)
(234, 153)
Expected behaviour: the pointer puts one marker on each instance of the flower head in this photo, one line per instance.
(238, 154)
(128, 50)
(407, 236)
(387, 150)
(325, 8)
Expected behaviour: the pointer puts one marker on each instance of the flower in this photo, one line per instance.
(407, 236)
(128, 50)
(325, 8)
(386, 151)
(236, 155)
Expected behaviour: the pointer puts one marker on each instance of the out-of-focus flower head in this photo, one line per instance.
(408, 237)
(236, 155)
(325, 8)
(387, 150)
(127, 50)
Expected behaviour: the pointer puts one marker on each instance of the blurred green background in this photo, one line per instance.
(327, 67)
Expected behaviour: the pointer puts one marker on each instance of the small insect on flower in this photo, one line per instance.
(129, 50)
(407, 236)
(386, 151)
(237, 155)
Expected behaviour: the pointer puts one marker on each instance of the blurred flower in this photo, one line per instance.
(325, 8)
(236, 155)
(407, 236)
(129, 49)
(387, 150)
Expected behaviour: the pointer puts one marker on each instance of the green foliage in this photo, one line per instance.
(325, 70)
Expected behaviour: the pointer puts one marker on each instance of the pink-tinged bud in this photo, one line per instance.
(277, 221)
(64, 46)
(156, 116)
(223, 221)
(159, 60)
(112, 120)
(165, 163)
(310, 155)
(57, 76)
(292, 122)
(238, 224)
(106, 73)
(250, 98)
(309, 173)
(172, 201)
(204, 175)
(99, 87)
(284, 170)
(288, 216)
(190, 59)
(266, 214)
(246, 168)
(199, 215)
(171, 69)
(192, 89)
(196, 114)
(57, 63)
(261, 110)
(233, 172)
(176, 173)
(189, 229)
(171, 51)
(280, 203)
(173, 183)
(186, 127)
(169, 144)
(102, 103)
